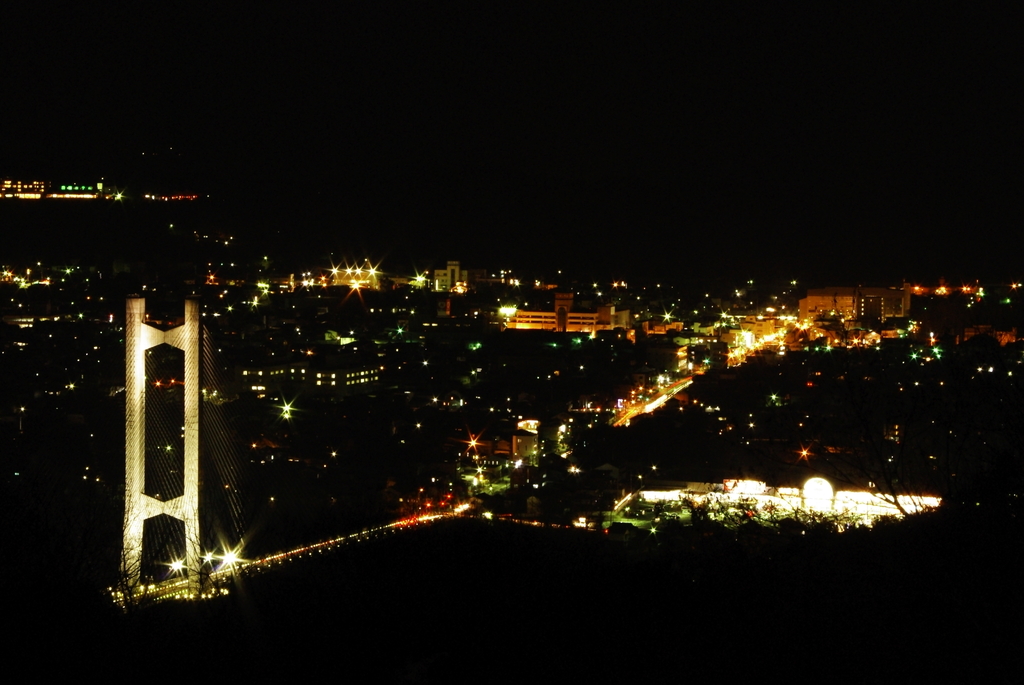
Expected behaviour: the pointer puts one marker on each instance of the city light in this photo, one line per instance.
(286, 411)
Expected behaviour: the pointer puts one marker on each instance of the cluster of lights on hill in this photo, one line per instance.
(45, 190)
(39, 190)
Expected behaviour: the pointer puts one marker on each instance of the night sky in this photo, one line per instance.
(841, 142)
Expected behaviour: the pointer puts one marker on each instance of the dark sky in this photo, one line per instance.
(842, 138)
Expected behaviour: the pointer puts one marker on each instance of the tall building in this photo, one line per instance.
(455, 279)
(855, 303)
(448, 279)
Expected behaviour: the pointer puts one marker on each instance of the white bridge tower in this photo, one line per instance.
(140, 336)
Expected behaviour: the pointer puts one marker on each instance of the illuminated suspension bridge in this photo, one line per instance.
(178, 454)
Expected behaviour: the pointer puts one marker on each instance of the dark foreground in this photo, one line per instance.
(496, 602)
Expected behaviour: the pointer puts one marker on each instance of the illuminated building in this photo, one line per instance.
(651, 327)
(665, 355)
(37, 190)
(23, 190)
(525, 447)
(564, 320)
(275, 377)
(817, 495)
(76, 191)
(28, 320)
(855, 303)
(762, 327)
(446, 277)
(456, 279)
(350, 380)
(297, 376)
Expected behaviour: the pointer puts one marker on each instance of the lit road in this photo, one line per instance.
(624, 415)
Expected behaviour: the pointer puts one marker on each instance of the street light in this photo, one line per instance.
(286, 411)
